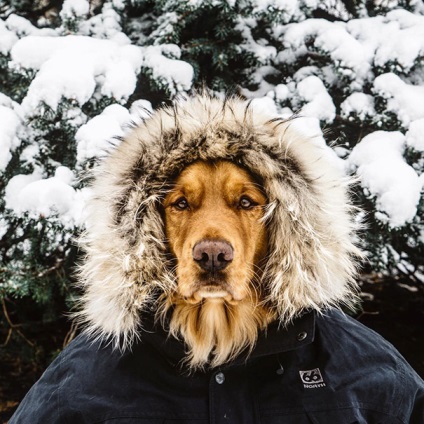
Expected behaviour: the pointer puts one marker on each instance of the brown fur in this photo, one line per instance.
(222, 318)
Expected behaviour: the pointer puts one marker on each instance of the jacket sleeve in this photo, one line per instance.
(414, 397)
(42, 402)
(417, 414)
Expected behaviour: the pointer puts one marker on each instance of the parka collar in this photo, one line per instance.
(273, 340)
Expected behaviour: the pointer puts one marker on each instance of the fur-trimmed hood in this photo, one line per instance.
(311, 260)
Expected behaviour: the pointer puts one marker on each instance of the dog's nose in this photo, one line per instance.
(213, 255)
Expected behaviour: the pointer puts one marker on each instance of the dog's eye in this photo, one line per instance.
(246, 203)
(181, 204)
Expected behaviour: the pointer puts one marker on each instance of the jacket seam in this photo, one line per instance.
(403, 393)
(62, 383)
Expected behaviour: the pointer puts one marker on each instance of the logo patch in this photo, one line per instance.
(312, 379)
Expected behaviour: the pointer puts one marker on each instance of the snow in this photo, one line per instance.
(76, 66)
(8, 102)
(404, 100)
(173, 73)
(3, 227)
(343, 48)
(379, 163)
(358, 104)
(74, 8)
(259, 77)
(29, 154)
(332, 38)
(262, 51)
(166, 26)
(289, 6)
(106, 25)
(20, 26)
(309, 96)
(57, 80)
(392, 41)
(97, 136)
(101, 134)
(119, 4)
(282, 93)
(47, 197)
(16, 27)
(406, 41)
(7, 38)
(415, 135)
(396, 38)
(73, 67)
(9, 124)
(319, 104)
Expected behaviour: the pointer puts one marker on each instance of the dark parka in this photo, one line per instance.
(313, 365)
(328, 369)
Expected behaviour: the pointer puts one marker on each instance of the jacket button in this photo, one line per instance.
(302, 336)
(220, 378)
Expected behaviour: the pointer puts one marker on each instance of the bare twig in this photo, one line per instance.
(13, 327)
(70, 335)
(9, 335)
(51, 269)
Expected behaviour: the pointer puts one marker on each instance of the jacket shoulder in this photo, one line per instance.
(375, 372)
(48, 399)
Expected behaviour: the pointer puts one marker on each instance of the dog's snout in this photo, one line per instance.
(213, 255)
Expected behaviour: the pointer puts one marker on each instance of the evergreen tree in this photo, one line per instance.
(73, 73)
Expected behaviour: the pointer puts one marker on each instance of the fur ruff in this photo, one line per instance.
(126, 271)
(215, 332)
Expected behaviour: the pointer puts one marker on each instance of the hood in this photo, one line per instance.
(309, 219)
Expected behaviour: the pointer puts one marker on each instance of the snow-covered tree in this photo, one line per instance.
(73, 74)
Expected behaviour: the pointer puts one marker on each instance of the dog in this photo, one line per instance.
(214, 221)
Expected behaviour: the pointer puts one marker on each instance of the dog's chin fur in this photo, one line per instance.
(215, 330)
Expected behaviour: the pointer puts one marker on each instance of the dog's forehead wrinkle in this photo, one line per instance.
(189, 183)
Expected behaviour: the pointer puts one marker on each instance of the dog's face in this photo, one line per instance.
(214, 228)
